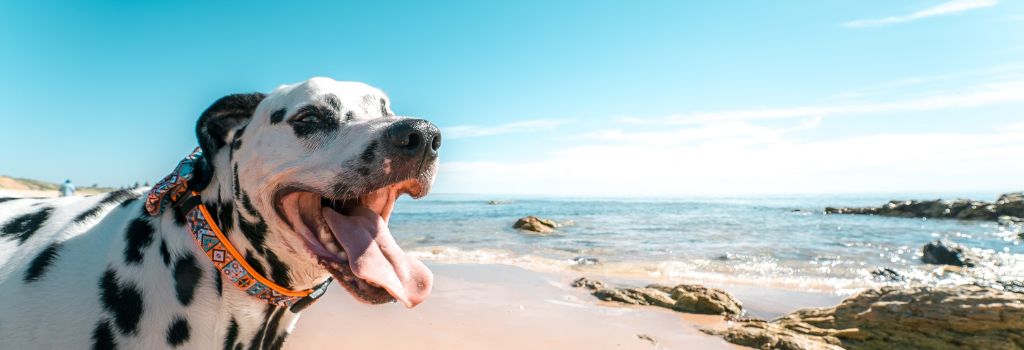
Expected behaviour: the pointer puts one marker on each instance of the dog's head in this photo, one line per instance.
(320, 164)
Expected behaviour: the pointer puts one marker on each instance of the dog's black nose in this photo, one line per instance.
(413, 137)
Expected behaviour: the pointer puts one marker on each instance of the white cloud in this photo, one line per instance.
(464, 131)
(737, 152)
(642, 164)
(946, 8)
(976, 96)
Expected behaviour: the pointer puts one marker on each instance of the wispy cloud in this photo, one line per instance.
(728, 163)
(946, 8)
(464, 131)
(975, 96)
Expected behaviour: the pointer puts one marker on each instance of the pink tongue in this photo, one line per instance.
(374, 256)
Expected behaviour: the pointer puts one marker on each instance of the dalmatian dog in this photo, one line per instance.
(301, 181)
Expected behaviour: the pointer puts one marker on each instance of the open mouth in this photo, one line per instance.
(351, 240)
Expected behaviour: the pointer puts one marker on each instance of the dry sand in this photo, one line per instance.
(506, 307)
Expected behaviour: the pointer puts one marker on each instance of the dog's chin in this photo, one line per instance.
(348, 237)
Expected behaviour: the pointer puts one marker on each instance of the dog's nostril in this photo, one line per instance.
(413, 140)
(404, 136)
(435, 144)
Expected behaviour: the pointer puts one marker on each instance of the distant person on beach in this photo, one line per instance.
(67, 189)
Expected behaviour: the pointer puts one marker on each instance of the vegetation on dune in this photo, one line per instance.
(15, 183)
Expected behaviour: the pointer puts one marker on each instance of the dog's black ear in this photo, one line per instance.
(228, 113)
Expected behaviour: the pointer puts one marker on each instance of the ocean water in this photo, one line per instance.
(781, 241)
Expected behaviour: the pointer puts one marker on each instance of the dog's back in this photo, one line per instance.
(52, 254)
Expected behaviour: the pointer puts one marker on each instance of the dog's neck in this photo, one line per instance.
(236, 314)
(246, 223)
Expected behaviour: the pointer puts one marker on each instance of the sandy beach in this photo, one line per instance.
(507, 307)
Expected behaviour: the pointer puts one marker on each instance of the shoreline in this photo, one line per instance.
(666, 272)
(477, 306)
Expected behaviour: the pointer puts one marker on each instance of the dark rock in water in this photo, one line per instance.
(587, 283)
(1010, 204)
(586, 260)
(886, 274)
(944, 252)
(725, 257)
(535, 224)
(690, 298)
(941, 318)
(498, 202)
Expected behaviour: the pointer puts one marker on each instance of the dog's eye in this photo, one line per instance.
(309, 118)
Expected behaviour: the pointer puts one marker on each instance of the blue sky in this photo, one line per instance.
(540, 97)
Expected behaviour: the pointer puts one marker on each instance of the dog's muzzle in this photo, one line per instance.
(413, 139)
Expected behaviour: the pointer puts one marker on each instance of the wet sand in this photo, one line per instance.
(506, 307)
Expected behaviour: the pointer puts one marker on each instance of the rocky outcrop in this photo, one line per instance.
(535, 224)
(961, 317)
(690, 298)
(498, 202)
(1010, 204)
(943, 252)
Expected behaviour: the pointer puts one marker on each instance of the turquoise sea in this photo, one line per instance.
(784, 241)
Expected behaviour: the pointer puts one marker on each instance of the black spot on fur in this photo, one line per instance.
(278, 270)
(234, 183)
(231, 335)
(370, 153)
(164, 254)
(364, 171)
(218, 281)
(119, 196)
(279, 343)
(214, 210)
(257, 338)
(24, 226)
(178, 332)
(271, 320)
(88, 214)
(4, 199)
(256, 265)
(255, 232)
(186, 278)
(138, 236)
(226, 217)
(115, 197)
(103, 336)
(277, 116)
(179, 218)
(38, 266)
(124, 301)
(349, 116)
(129, 201)
(333, 102)
(383, 107)
(247, 204)
(270, 334)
